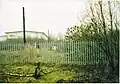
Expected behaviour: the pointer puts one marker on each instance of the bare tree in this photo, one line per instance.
(105, 29)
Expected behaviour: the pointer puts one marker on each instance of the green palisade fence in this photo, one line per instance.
(66, 52)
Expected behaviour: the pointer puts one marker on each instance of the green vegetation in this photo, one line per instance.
(56, 73)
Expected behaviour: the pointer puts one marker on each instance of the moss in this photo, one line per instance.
(52, 73)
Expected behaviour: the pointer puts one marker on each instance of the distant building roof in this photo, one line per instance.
(26, 31)
(22, 31)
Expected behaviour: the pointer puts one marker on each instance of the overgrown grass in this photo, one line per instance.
(32, 54)
(57, 73)
(53, 73)
(60, 67)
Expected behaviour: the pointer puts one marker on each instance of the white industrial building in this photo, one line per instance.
(19, 34)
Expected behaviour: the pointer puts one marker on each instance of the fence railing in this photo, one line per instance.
(80, 52)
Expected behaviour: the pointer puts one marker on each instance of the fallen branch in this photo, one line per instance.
(17, 75)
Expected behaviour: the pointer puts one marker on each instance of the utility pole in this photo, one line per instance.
(24, 39)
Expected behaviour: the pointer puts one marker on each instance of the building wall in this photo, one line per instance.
(3, 38)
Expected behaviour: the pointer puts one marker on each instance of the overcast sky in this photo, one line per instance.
(41, 15)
